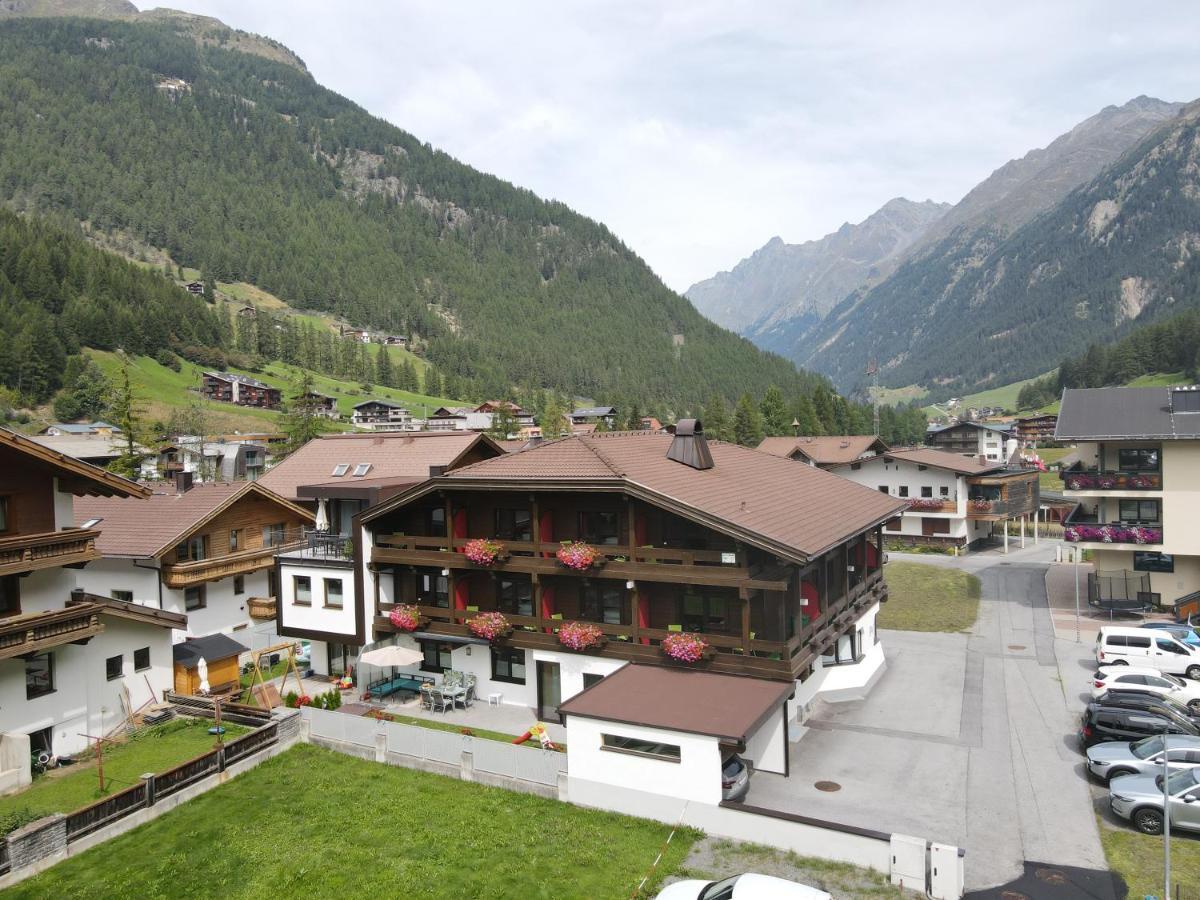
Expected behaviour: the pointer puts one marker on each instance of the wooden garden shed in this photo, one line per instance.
(219, 651)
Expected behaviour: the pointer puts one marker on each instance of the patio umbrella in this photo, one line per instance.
(202, 669)
(389, 657)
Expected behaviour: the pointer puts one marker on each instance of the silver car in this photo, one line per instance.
(1112, 759)
(1139, 798)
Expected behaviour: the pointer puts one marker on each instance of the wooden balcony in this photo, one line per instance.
(779, 660)
(1099, 480)
(189, 574)
(707, 567)
(46, 550)
(36, 632)
(932, 505)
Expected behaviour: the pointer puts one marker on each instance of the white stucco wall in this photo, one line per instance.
(84, 700)
(47, 589)
(104, 576)
(317, 616)
(64, 509)
(696, 776)
(767, 747)
(876, 472)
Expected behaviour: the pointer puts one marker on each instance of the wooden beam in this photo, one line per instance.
(744, 596)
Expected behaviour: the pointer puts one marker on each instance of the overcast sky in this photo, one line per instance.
(698, 129)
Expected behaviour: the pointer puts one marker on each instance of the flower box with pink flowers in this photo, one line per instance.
(406, 617)
(490, 626)
(581, 636)
(484, 552)
(579, 556)
(685, 647)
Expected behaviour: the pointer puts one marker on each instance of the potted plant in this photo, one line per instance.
(581, 636)
(686, 647)
(405, 617)
(489, 625)
(579, 556)
(484, 552)
(981, 505)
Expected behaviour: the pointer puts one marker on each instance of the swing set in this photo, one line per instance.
(268, 696)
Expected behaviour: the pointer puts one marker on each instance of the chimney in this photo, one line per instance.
(983, 460)
(183, 482)
(689, 446)
(436, 471)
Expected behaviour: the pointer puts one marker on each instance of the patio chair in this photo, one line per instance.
(469, 697)
(427, 699)
(452, 678)
(439, 702)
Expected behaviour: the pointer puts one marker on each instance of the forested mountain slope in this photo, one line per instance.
(982, 308)
(247, 169)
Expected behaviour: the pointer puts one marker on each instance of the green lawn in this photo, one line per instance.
(1161, 379)
(929, 598)
(1138, 858)
(150, 750)
(312, 822)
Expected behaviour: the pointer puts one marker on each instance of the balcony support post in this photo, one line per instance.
(1022, 531)
(744, 596)
(1036, 515)
(1005, 536)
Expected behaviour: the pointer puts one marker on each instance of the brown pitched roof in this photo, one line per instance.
(399, 455)
(954, 462)
(826, 450)
(729, 707)
(147, 528)
(794, 511)
(74, 475)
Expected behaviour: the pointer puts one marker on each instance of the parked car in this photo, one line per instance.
(1185, 633)
(1116, 723)
(1149, 701)
(1119, 645)
(748, 886)
(1139, 799)
(735, 778)
(1146, 680)
(1113, 759)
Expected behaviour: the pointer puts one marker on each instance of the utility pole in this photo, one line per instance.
(873, 371)
(1166, 825)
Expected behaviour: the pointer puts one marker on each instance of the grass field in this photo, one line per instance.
(1138, 858)
(151, 750)
(312, 822)
(1163, 379)
(929, 598)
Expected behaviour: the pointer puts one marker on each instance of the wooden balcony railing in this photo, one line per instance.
(932, 505)
(185, 575)
(36, 632)
(46, 550)
(734, 654)
(980, 508)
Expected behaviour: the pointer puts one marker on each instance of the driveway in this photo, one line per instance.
(968, 739)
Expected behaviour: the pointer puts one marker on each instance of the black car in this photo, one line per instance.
(1127, 723)
(1148, 701)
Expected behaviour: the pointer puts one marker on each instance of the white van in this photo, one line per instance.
(1116, 645)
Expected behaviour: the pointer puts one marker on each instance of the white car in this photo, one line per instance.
(742, 887)
(1146, 680)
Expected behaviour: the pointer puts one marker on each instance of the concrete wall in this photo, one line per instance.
(696, 776)
(317, 616)
(84, 700)
(16, 771)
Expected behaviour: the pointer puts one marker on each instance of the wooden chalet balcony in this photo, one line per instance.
(707, 567)
(46, 550)
(998, 509)
(36, 632)
(779, 660)
(932, 505)
(1101, 480)
(189, 574)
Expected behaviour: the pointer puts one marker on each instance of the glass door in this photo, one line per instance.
(549, 690)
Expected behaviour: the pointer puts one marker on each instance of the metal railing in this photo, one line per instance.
(1102, 480)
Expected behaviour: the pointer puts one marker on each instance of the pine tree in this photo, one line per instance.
(383, 368)
(300, 421)
(504, 424)
(553, 417)
(774, 413)
(124, 408)
(747, 422)
(716, 419)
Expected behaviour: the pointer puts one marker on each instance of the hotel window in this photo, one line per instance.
(599, 527)
(194, 598)
(123, 596)
(302, 585)
(10, 595)
(1139, 511)
(39, 675)
(193, 549)
(433, 589)
(4, 514)
(514, 596)
(600, 603)
(903, 492)
(1137, 459)
(619, 744)
(508, 664)
(239, 585)
(333, 592)
(926, 491)
(235, 539)
(704, 613)
(944, 490)
(114, 667)
(273, 535)
(435, 522)
(513, 525)
(141, 659)
(436, 656)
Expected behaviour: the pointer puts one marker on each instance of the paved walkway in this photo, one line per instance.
(967, 739)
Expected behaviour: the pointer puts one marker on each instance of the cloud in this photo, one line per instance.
(698, 129)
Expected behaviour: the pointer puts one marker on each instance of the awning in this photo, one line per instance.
(448, 638)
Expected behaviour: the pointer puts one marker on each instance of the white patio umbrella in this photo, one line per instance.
(390, 657)
(202, 670)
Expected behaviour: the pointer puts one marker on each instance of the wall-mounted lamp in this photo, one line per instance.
(445, 571)
(629, 585)
(468, 649)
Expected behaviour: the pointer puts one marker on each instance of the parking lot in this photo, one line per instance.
(968, 739)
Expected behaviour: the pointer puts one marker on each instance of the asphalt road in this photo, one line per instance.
(967, 739)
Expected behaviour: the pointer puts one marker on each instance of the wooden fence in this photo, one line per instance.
(86, 820)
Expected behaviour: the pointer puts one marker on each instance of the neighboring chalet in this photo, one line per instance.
(953, 500)
(825, 451)
(649, 423)
(479, 418)
(204, 550)
(67, 659)
(356, 334)
(194, 287)
(59, 429)
(1036, 429)
(383, 415)
(223, 460)
(777, 567)
(994, 443)
(96, 449)
(593, 415)
(337, 476)
(320, 405)
(1137, 489)
(239, 389)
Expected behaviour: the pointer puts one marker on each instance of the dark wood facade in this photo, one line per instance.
(661, 573)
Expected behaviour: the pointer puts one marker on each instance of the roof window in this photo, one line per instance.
(361, 469)
(340, 469)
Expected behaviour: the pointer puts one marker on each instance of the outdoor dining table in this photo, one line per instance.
(455, 693)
